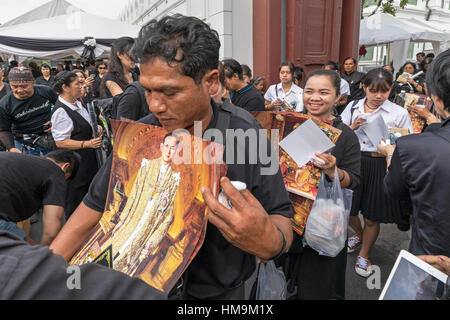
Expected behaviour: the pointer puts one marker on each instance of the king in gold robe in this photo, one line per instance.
(147, 215)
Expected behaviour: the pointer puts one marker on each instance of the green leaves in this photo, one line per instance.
(386, 6)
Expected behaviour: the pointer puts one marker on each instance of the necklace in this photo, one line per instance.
(371, 109)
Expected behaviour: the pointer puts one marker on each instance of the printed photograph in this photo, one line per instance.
(155, 217)
(301, 183)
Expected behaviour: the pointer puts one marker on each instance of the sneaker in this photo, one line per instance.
(363, 267)
(353, 243)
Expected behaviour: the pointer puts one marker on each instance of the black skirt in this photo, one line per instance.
(370, 198)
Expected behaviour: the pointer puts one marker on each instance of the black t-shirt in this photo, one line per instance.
(132, 103)
(27, 116)
(43, 82)
(27, 183)
(104, 91)
(218, 265)
(249, 99)
(6, 89)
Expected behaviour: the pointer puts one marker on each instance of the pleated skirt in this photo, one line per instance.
(370, 198)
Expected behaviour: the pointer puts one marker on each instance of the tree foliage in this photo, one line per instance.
(386, 6)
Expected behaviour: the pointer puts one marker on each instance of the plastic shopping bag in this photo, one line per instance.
(271, 282)
(326, 227)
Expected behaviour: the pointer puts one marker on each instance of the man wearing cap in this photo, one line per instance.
(25, 114)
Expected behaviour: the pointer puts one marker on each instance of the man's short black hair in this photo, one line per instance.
(438, 78)
(333, 65)
(246, 71)
(233, 67)
(173, 135)
(66, 156)
(422, 54)
(177, 35)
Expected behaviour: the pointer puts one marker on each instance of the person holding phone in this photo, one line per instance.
(370, 199)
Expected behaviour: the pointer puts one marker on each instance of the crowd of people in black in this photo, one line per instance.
(179, 76)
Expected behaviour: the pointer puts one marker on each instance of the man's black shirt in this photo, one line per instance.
(43, 82)
(419, 171)
(249, 99)
(27, 116)
(218, 265)
(27, 183)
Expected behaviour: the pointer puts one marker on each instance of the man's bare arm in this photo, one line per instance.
(75, 231)
(52, 216)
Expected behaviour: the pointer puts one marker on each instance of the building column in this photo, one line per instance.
(351, 20)
(267, 39)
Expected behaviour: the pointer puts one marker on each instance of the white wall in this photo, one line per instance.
(232, 19)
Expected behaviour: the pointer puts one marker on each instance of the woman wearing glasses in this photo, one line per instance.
(121, 65)
(102, 69)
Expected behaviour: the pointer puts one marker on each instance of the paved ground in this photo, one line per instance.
(384, 254)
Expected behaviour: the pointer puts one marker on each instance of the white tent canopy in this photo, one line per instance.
(50, 9)
(62, 36)
(384, 28)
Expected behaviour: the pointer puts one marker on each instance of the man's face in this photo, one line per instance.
(232, 84)
(22, 91)
(175, 99)
(420, 58)
(168, 148)
(45, 71)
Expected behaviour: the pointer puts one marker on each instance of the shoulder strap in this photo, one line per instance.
(276, 90)
(352, 111)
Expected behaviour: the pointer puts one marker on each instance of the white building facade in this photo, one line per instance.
(232, 19)
(438, 14)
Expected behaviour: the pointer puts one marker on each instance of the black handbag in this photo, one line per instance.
(46, 141)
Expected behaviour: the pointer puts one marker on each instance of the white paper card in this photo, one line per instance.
(302, 144)
(376, 129)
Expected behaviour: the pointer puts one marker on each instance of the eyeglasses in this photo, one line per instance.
(102, 68)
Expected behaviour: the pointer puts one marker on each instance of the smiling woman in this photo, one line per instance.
(319, 277)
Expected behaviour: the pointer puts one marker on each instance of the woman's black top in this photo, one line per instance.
(104, 91)
(347, 152)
